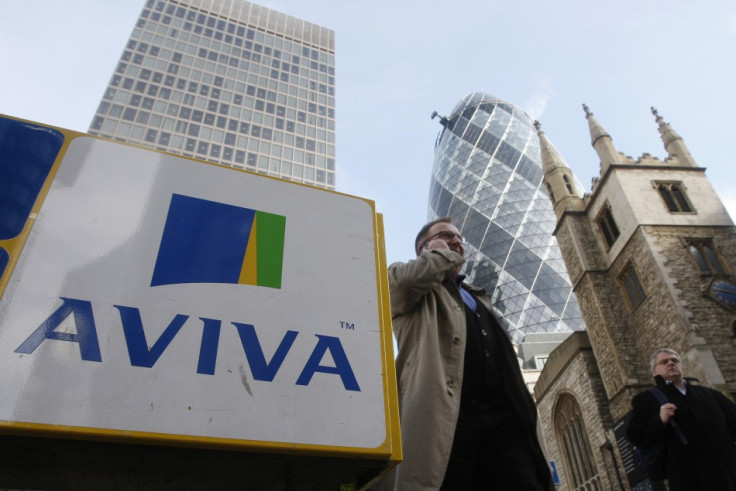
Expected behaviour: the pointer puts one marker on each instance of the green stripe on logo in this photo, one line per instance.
(270, 247)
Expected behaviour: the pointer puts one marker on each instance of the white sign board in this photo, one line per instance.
(149, 298)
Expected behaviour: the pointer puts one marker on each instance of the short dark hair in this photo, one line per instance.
(423, 231)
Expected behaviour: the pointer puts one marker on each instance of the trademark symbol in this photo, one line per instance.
(347, 325)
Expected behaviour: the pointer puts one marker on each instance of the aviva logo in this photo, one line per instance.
(209, 242)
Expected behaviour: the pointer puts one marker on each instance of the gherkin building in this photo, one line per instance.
(487, 176)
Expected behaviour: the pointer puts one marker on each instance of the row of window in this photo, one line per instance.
(170, 54)
(245, 136)
(224, 90)
(703, 255)
(216, 28)
(198, 80)
(140, 109)
(238, 58)
(207, 82)
(283, 145)
(289, 72)
(245, 39)
(220, 154)
(136, 99)
(152, 97)
(675, 199)
(673, 195)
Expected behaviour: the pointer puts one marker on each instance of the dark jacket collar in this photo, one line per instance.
(459, 280)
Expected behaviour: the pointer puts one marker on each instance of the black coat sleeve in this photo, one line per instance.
(646, 429)
(729, 411)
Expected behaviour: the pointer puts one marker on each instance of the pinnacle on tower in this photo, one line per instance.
(601, 142)
(551, 159)
(557, 176)
(673, 143)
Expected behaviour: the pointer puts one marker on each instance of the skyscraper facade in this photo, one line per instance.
(229, 82)
(487, 176)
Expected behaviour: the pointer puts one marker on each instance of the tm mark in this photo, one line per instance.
(347, 325)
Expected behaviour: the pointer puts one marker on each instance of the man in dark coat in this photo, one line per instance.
(706, 417)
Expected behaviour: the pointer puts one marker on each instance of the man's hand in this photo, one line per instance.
(666, 412)
(436, 243)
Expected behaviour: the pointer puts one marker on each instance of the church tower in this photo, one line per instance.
(651, 253)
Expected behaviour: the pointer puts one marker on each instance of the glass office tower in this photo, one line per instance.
(229, 82)
(487, 176)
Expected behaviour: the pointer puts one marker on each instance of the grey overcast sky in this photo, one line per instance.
(399, 60)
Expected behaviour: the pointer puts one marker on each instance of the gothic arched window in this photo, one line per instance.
(705, 257)
(574, 445)
(629, 281)
(607, 225)
(674, 196)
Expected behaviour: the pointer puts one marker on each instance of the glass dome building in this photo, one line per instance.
(487, 176)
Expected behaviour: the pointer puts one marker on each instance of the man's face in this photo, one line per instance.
(669, 366)
(434, 241)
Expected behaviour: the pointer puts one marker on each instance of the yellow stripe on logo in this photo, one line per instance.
(249, 271)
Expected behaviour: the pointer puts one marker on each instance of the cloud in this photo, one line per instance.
(537, 103)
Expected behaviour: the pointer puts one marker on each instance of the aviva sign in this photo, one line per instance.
(149, 296)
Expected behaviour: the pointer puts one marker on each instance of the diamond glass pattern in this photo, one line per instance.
(487, 175)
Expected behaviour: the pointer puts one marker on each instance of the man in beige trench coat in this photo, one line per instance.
(467, 419)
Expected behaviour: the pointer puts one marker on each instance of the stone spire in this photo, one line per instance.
(558, 177)
(602, 142)
(673, 143)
